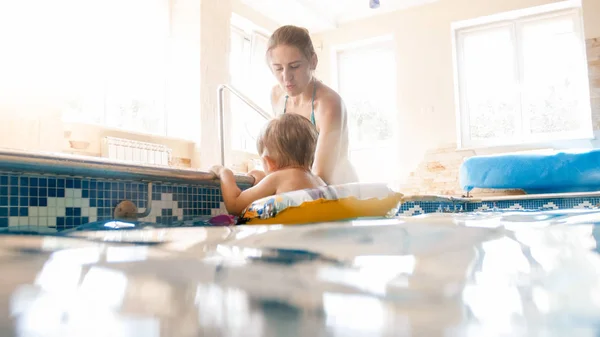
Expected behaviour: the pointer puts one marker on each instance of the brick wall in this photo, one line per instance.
(438, 171)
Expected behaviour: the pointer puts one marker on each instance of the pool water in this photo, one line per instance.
(492, 273)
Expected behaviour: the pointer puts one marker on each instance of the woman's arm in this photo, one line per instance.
(329, 142)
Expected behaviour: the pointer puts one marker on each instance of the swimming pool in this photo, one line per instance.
(518, 266)
(509, 273)
(57, 192)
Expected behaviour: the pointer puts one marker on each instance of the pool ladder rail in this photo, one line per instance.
(221, 106)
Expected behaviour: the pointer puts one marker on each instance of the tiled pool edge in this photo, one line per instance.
(520, 202)
(62, 202)
(62, 191)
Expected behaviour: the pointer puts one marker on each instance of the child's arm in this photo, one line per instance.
(258, 175)
(237, 200)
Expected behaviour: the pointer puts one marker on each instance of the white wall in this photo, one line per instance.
(30, 117)
(425, 97)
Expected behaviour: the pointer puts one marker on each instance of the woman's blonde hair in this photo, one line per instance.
(292, 36)
(290, 140)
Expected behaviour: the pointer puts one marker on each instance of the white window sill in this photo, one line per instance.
(526, 145)
(72, 125)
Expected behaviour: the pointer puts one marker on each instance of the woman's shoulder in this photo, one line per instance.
(328, 101)
(325, 92)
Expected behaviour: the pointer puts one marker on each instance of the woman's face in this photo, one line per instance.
(291, 68)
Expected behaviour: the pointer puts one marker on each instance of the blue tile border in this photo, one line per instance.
(64, 202)
(539, 204)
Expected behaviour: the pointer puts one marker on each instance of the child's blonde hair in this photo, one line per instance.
(290, 140)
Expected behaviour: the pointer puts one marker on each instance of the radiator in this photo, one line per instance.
(134, 151)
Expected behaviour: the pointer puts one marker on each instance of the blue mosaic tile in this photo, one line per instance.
(66, 202)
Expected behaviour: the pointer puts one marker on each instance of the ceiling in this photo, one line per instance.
(321, 15)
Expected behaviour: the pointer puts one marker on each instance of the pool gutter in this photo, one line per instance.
(20, 161)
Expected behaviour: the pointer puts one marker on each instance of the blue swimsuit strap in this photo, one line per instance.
(312, 113)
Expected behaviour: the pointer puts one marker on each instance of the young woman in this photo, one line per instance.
(292, 58)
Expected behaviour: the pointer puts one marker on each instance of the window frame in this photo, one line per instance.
(250, 35)
(390, 145)
(515, 21)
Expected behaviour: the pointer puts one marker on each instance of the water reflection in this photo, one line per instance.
(353, 314)
(227, 307)
(537, 280)
(126, 254)
(408, 279)
(372, 274)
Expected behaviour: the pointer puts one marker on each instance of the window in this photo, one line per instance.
(369, 94)
(522, 79)
(120, 78)
(249, 74)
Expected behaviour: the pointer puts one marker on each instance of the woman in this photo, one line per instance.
(292, 58)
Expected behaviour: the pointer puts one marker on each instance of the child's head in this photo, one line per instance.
(288, 140)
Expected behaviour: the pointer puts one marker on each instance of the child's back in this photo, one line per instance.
(287, 149)
(293, 179)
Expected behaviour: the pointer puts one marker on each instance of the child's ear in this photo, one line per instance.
(270, 163)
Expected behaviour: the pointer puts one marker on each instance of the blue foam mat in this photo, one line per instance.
(534, 172)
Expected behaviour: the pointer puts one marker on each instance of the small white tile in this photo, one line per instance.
(166, 197)
(52, 211)
(93, 218)
(60, 212)
(33, 211)
(61, 202)
(70, 193)
(43, 211)
(85, 211)
(70, 203)
(43, 221)
(77, 202)
(93, 212)
(52, 202)
(180, 212)
(24, 220)
(77, 193)
(84, 202)
(13, 221)
(51, 221)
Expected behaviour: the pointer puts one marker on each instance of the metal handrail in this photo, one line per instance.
(221, 102)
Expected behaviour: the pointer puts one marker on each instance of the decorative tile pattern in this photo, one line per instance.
(422, 207)
(416, 208)
(63, 202)
(536, 204)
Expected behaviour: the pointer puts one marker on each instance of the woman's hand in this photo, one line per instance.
(258, 175)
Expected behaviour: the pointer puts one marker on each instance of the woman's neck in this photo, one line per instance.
(306, 95)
